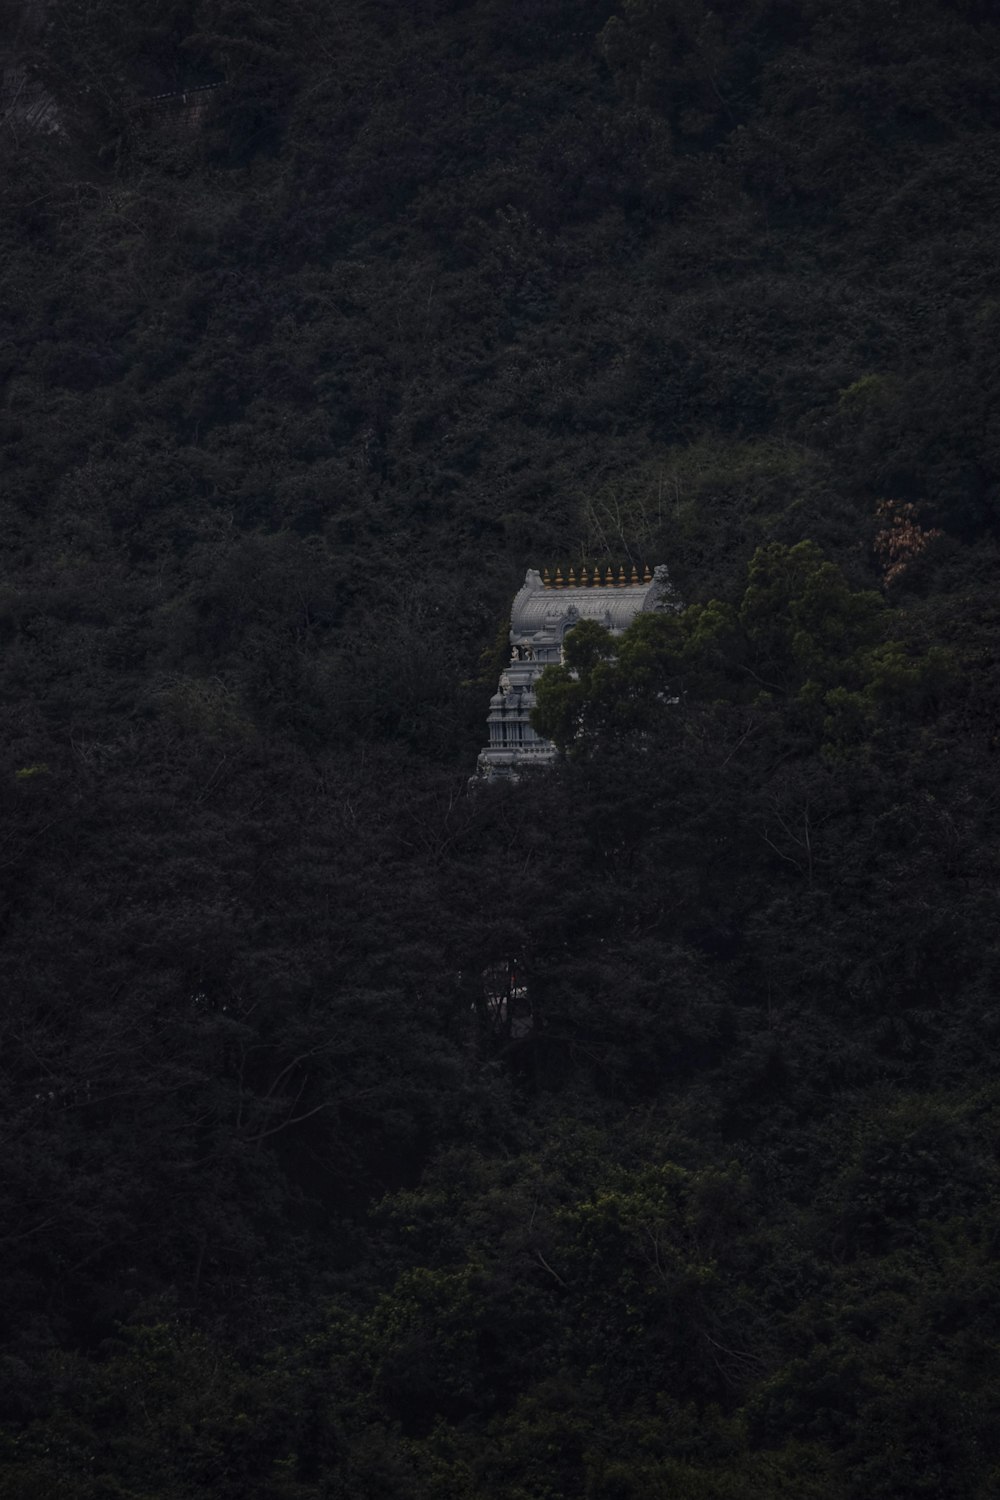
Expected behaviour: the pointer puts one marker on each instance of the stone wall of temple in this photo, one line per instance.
(544, 611)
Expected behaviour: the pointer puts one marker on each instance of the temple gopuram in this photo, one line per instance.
(545, 610)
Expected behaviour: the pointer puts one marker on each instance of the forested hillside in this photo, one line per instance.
(320, 323)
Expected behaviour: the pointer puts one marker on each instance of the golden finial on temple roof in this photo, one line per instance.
(571, 581)
(647, 576)
(609, 576)
(635, 574)
(559, 578)
(621, 576)
(546, 579)
(584, 577)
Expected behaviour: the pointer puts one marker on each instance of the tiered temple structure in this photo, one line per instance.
(545, 610)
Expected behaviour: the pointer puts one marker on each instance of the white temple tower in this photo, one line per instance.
(544, 611)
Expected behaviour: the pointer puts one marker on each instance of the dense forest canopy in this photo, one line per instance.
(321, 323)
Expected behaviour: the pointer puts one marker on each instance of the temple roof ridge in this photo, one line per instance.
(614, 600)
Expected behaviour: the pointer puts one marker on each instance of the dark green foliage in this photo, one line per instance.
(301, 366)
(799, 642)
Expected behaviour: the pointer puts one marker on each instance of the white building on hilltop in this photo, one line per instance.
(544, 611)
